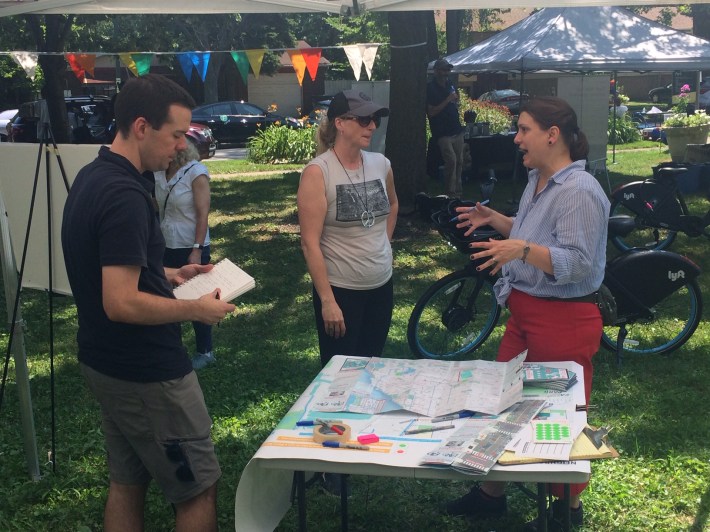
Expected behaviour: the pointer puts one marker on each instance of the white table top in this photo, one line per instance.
(264, 489)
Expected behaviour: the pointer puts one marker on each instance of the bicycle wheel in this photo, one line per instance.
(674, 322)
(642, 236)
(453, 317)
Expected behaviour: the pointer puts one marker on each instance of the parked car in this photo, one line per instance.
(6, 117)
(507, 97)
(89, 118)
(201, 136)
(661, 94)
(235, 122)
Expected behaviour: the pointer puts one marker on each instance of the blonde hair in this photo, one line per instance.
(325, 136)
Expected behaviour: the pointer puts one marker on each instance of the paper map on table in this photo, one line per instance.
(425, 387)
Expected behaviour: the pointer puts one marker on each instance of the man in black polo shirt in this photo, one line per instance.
(443, 112)
(155, 421)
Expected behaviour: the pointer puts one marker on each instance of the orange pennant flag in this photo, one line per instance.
(256, 58)
(299, 64)
(75, 66)
(312, 59)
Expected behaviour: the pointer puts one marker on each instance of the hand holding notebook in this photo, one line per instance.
(227, 276)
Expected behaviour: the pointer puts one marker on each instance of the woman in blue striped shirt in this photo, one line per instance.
(551, 264)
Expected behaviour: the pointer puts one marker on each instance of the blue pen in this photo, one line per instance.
(484, 202)
(451, 417)
(311, 422)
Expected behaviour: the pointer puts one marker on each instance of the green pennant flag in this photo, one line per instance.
(240, 58)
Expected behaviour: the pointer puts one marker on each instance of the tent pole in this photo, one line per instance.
(22, 379)
(613, 146)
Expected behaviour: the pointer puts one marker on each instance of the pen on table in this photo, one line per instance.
(582, 408)
(312, 422)
(484, 202)
(329, 425)
(432, 429)
(343, 445)
(451, 417)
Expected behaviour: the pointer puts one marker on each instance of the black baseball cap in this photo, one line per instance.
(354, 103)
(442, 64)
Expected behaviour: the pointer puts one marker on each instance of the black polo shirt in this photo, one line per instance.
(109, 220)
(446, 123)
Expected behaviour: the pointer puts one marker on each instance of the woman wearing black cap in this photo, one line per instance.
(347, 209)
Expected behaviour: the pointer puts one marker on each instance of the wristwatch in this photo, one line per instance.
(197, 246)
(526, 250)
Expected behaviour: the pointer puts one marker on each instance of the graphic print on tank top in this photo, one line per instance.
(353, 200)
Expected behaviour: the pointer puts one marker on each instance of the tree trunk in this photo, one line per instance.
(51, 37)
(454, 22)
(406, 144)
(701, 20)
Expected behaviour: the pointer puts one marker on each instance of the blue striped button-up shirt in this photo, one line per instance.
(569, 216)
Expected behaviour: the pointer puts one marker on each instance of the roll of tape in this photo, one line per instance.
(322, 433)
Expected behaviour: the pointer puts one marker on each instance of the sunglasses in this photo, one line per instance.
(175, 454)
(364, 121)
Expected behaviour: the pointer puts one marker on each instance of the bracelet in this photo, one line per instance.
(526, 250)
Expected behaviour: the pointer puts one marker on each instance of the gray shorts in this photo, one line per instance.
(157, 430)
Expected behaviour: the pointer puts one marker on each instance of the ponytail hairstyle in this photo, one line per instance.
(550, 111)
(325, 135)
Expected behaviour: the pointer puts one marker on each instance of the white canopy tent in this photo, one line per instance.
(585, 39)
(17, 7)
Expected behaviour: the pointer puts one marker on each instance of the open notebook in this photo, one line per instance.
(227, 276)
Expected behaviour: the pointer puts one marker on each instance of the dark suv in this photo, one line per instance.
(91, 122)
(89, 119)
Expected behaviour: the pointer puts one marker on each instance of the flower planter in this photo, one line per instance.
(679, 138)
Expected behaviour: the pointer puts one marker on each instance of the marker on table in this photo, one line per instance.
(484, 202)
(450, 417)
(432, 429)
(312, 422)
(343, 445)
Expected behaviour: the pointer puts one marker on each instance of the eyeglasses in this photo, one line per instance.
(364, 121)
(175, 454)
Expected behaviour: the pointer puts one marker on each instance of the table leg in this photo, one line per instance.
(299, 479)
(567, 519)
(542, 507)
(344, 503)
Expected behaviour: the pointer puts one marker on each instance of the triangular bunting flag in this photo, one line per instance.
(28, 61)
(369, 51)
(128, 61)
(299, 64)
(256, 58)
(186, 65)
(240, 58)
(201, 60)
(76, 67)
(312, 58)
(142, 62)
(354, 54)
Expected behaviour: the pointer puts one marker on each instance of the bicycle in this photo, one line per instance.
(648, 214)
(659, 303)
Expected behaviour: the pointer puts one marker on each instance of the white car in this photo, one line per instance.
(6, 117)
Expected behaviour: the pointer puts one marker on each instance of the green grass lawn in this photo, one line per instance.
(267, 354)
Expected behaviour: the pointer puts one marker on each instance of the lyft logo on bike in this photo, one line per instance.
(675, 276)
(628, 196)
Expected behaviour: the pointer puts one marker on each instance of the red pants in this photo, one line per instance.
(553, 331)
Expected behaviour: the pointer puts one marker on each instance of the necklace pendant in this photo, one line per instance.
(367, 218)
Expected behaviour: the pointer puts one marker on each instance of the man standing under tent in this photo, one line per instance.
(155, 422)
(443, 112)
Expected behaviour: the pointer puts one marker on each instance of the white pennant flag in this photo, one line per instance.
(28, 61)
(369, 51)
(354, 54)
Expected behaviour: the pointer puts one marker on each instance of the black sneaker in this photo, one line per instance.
(477, 503)
(556, 518)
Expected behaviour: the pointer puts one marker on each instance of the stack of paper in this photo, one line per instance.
(547, 377)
